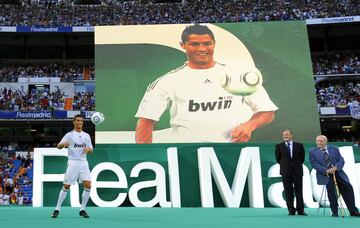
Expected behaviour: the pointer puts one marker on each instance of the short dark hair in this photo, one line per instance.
(76, 116)
(196, 29)
(287, 130)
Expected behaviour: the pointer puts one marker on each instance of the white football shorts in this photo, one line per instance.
(77, 170)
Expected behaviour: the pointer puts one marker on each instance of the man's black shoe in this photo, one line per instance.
(356, 214)
(291, 213)
(55, 214)
(84, 214)
(302, 213)
(335, 215)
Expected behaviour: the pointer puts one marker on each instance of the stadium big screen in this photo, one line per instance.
(131, 60)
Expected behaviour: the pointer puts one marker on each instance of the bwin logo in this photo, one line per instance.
(210, 106)
(79, 145)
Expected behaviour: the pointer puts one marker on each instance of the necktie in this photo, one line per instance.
(327, 158)
(289, 149)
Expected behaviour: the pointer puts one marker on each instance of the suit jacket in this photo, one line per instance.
(317, 161)
(288, 164)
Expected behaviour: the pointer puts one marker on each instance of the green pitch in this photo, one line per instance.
(171, 217)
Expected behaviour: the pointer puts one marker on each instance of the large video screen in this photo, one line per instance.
(191, 83)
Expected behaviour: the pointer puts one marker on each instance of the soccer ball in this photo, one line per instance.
(97, 118)
(242, 84)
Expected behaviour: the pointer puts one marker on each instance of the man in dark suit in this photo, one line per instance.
(290, 155)
(327, 161)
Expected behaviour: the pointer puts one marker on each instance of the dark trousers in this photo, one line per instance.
(293, 183)
(346, 191)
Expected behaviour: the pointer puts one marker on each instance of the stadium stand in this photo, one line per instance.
(149, 12)
(18, 100)
(338, 93)
(67, 73)
(336, 63)
(16, 175)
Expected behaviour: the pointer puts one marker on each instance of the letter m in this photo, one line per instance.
(248, 166)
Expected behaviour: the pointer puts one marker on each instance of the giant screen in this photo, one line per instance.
(261, 75)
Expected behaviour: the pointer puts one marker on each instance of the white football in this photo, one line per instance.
(243, 84)
(97, 118)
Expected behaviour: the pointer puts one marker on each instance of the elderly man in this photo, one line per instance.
(327, 161)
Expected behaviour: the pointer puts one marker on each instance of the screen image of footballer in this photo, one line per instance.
(217, 95)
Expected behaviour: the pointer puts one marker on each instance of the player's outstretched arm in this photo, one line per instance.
(242, 133)
(144, 130)
(62, 145)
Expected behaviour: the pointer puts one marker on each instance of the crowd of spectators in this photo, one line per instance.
(11, 147)
(84, 101)
(338, 93)
(18, 100)
(113, 12)
(336, 63)
(15, 179)
(67, 73)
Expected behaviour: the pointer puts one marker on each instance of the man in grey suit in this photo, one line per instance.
(327, 161)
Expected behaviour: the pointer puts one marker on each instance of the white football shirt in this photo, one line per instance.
(200, 109)
(77, 142)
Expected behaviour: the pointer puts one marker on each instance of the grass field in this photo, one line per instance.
(28, 217)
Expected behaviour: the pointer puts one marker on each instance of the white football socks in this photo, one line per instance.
(62, 197)
(85, 198)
